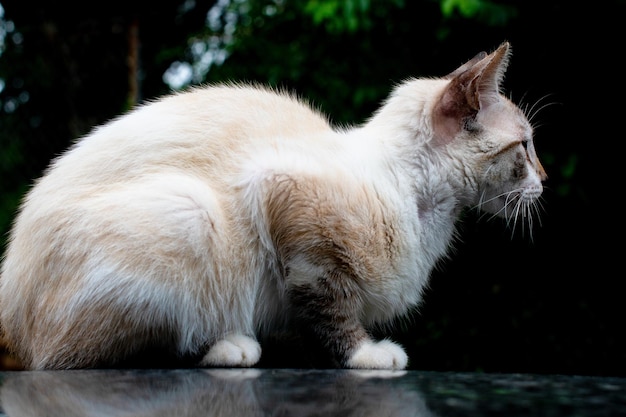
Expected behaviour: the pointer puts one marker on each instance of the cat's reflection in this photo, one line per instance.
(225, 392)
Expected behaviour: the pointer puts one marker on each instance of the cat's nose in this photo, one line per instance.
(540, 171)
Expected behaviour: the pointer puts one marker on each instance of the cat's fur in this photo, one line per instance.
(207, 219)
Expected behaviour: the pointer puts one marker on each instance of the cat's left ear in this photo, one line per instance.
(473, 86)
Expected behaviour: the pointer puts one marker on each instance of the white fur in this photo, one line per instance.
(233, 351)
(378, 355)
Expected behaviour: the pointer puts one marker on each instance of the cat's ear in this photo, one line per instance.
(473, 86)
(478, 57)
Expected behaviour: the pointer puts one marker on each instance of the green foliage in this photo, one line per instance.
(567, 171)
(569, 168)
(345, 15)
(493, 14)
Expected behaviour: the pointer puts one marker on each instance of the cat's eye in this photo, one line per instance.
(525, 144)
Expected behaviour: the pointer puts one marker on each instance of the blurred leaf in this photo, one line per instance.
(569, 168)
(339, 15)
(484, 11)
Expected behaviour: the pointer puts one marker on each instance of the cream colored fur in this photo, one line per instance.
(188, 221)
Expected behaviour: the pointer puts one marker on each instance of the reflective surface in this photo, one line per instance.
(285, 392)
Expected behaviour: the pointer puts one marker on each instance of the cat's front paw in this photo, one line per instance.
(378, 355)
(233, 351)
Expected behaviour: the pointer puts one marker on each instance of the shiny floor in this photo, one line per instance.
(292, 392)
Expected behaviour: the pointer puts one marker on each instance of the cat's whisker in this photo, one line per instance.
(535, 212)
(517, 212)
(479, 205)
(534, 110)
(522, 103)
(530, 226)
(502, 212)
(529, 218)
(493, 216)
(483, 202)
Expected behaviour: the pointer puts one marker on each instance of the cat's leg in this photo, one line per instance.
(235, 350)
(331, 310)
(157, 277)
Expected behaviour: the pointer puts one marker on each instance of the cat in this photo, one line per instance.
(201, 222)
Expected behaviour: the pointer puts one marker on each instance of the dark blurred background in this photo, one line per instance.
(504, 302)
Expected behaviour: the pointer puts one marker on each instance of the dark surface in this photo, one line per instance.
(285, 392)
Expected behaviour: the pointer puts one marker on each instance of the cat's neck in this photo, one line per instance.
(402, 130)
(418, 186)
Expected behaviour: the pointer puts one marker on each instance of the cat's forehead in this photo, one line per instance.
(504, 116)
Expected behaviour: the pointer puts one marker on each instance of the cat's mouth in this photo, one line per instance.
(519, 207)
(517, 202)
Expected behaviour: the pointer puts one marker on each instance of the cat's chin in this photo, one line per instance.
(518, 210)
(521, 202)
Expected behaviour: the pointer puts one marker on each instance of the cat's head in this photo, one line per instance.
(490, 137)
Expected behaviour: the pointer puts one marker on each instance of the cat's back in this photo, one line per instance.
(218, 113)
(203, 130)
(180, 154)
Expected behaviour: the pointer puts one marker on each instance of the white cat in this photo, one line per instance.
(201, 222)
